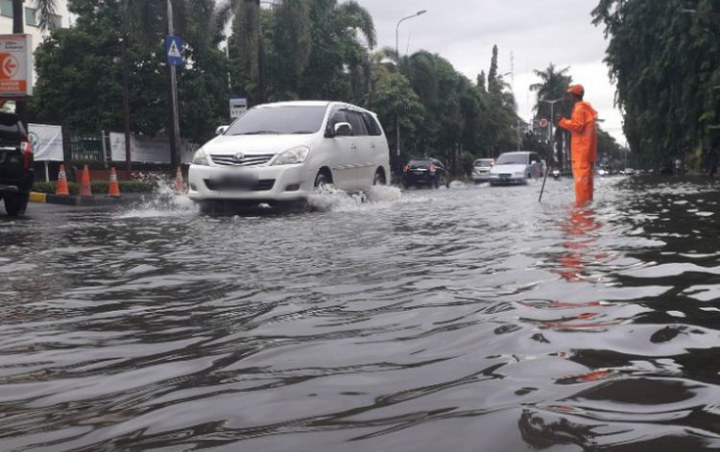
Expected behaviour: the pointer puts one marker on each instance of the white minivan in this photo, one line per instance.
(285, 151)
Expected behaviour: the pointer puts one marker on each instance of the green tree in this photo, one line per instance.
(665, 62)
(553, 85)
(84, 89)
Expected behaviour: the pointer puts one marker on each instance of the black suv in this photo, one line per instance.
(16, 164)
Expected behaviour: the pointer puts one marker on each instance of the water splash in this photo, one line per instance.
(332, 199)
(163, 203)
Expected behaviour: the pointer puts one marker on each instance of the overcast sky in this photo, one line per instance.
(530, 34)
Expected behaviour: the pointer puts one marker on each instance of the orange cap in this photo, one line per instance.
(578, 90)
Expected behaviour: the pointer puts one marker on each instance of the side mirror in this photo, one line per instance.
(342, 129)
(220, 130)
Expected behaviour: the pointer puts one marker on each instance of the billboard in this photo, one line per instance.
(148, 149)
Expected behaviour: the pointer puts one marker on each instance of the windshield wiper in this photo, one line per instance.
(261, 132)
(302, 132)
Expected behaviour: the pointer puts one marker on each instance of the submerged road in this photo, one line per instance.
(468, 319)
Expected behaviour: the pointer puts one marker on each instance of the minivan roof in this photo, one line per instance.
(311, 103)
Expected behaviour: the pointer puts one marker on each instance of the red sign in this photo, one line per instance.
(15, 66)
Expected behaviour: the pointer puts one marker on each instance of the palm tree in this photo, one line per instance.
(553, 85)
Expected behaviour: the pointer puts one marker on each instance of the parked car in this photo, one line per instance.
(516, 168)
(428, 172)
(282, 152)
(16, 160)
(481, 170)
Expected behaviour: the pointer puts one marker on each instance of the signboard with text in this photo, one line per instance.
(238, 106)
(15, 66)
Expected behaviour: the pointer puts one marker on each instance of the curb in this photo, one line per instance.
(74, 200)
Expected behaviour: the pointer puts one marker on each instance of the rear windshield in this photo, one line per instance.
(421, 162)
(284, 120)
(11, 130)
(483, 162)
(512, 159)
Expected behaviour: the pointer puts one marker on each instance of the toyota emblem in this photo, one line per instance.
(239, 157)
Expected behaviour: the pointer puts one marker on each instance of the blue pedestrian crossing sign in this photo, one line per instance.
(173, 50)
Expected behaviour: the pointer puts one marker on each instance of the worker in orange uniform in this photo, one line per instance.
(583, 144)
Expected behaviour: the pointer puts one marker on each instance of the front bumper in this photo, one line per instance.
(507, 179)
(479, 176)
(254, 184)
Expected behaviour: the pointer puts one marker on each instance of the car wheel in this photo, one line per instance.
(379, 178)
(322, 180)
(16, 203)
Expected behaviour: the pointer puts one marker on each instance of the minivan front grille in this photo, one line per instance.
(246, 160)
(222, 185)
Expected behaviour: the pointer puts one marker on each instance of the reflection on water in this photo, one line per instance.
(470, 318)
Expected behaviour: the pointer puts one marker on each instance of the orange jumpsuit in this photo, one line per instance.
(583, 147)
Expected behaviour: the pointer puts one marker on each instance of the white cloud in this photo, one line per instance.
(530, 35)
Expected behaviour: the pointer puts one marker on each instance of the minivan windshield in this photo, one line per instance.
(285, 120)
(483, 162)
(512, 159)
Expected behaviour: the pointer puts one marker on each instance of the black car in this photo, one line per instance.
(16, 160)
(428, 172)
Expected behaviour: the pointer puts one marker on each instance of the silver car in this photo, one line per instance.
(481, 170)
(516, 168)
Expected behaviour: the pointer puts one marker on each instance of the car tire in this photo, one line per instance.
(322, 180)
(379, 178)
(16, 203)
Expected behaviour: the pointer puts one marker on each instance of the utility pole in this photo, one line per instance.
(397, 52)
(19, 28)
(126, 87)
(260, 52)
(175, 136)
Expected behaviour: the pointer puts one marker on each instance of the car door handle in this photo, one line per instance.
(353, 147)
(372, 146)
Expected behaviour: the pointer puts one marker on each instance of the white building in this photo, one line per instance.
(32, 20)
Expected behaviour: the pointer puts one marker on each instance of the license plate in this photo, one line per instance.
(242, 179)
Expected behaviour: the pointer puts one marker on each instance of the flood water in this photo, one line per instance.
(465, 319)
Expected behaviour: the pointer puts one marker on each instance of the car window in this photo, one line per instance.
(356, 121)
(512, 159)
(283, 120)
(483, 162)
(371, 124)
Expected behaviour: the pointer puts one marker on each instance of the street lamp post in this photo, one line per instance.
(552, 121)
(397, 53)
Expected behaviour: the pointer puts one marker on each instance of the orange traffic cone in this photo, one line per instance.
(62, 185)
(85, 189)
(179, 186)
(113, 186)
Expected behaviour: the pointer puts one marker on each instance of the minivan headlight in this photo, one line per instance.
(201, 158)
(292, 156)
